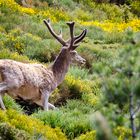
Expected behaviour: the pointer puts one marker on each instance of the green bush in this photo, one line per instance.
(78, 72)
(67, 4)
(99, 122)
(35, 28)
(114, 37)
(11, 104)
(79, 106)
(43, 51)
(82, 15)
(135, 7)
(118, 87)
(10, 20)
(101, 69)
(72, 121)
(72, 118)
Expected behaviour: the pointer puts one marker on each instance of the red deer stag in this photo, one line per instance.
(35, 82)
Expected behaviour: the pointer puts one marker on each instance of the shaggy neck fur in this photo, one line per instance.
(61, 65)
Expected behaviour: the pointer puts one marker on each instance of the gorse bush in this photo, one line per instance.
(76, 87)
(7, 54)
(88, 136)
(114, 26)
(32, 126)
(59, 15)
(14, 7)
(30, 45)
(123, 133)
(12, 41)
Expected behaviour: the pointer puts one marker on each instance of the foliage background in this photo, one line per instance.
(93, 100)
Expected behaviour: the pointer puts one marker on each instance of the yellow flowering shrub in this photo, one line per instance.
(114, 26)
(91, 98)
(78, 84)
(86, 90)
(123, 133)
(31, 125)
(12, 5)
(53, 14)
(6, 54)
(88, 136)
(14, 43)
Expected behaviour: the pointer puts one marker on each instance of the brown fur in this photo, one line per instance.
(26, 80)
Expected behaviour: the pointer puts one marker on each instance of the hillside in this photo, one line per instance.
(94, 100)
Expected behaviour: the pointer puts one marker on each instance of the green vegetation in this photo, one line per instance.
(93, 100)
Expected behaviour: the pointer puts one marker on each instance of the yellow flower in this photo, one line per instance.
(110, 26)
(88, 136)
(31, 125)
(123, 133)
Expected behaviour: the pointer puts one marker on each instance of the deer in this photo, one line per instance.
(36, 82)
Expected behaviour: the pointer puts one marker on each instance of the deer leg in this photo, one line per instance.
(2, 106)
(45, 102)
(3, 88)
(51, 106)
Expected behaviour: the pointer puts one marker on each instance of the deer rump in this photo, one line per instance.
(24, 81)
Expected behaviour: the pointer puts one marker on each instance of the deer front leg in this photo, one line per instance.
(45, 101)
(1, 103)
(2, 89)
(51, 106)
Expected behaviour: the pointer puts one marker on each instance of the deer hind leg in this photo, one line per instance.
(3, 88)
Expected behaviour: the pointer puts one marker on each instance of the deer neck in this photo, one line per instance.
(60, 66)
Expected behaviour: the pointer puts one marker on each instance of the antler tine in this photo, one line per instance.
(58, 37)
(71, 26)
(80, 37)
(76, 37)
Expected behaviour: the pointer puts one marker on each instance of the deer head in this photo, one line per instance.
(69, 46)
